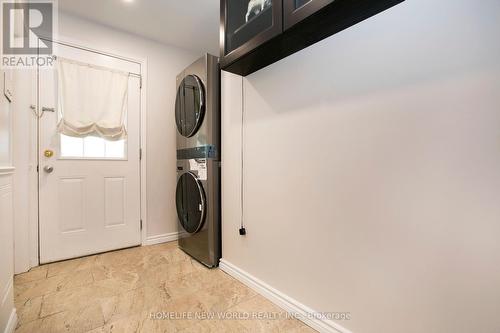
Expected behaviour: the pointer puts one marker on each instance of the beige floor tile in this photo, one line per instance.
(184, 284)
(151, 260)
(36, 273)
(303, 329)
(159, 248)
(180, 312)
(124, 272)
(156, 275)
(218, 299)
(113, 287)
(188, 303)
(30, 290)
(75, 321)
(124, 305)
(141, 323)
(129, 291)
(71, 266)
(265, 316)
(60, 282)
(101, 272)
(217, 326)
(141, 300)
(130, 324)
(287, 326)
(75, 299)
(168, 326)
(175, 255)
(131, 257)
(29, 310)
(121, 279)
(74, 280)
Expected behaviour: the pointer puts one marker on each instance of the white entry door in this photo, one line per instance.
(89, 189)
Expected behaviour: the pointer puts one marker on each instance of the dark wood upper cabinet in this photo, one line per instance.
(246, 25)
(295, 11)
(257, 33)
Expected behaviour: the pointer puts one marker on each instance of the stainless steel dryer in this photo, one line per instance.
(198, 207)
(197, 105)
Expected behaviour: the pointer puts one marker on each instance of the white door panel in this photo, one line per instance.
(88, 204)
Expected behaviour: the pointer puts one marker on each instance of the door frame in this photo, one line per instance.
(34, 180)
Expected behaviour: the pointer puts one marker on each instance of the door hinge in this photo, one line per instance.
(141, 224)
(140, 82)
(140, 153)
(37, 168)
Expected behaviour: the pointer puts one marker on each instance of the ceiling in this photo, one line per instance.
(189, 24)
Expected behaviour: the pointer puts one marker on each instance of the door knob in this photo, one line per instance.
(48, 168)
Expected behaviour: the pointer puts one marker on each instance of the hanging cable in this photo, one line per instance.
(242, 227)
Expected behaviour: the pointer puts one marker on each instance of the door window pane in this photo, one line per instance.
(92, 148)
(71, 147)
(115, 149)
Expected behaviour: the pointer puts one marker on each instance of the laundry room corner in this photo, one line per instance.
(265, 166)
(160, 65)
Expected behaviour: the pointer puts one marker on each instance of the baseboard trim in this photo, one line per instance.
(163, 238)
(283, 301)
(12, 323)
(8, 291)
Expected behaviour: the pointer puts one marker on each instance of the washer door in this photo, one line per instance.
(190, 202)
(189, 105)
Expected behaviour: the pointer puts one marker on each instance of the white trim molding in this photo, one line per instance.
(144, 150)
(12, 323)
(285, 302)
(7, 306)
(7, 291)
(7, 171)
(163, 238)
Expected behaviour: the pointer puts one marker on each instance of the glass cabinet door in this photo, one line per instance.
(297, 10)
(248, 24)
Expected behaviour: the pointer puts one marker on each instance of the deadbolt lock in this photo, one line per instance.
(48, 153)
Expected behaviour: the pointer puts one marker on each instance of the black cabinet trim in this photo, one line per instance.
(331, 19)
(292, 15)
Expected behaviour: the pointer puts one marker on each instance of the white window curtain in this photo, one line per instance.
(92, 100)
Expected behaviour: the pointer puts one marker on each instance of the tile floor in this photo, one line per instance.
(144, 289)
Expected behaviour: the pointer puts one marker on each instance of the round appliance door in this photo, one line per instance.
(189, 105)
(190, 202)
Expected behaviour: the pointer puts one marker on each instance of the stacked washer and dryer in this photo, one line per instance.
(197, 116)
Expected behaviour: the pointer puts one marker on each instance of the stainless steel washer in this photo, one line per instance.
(198, 208)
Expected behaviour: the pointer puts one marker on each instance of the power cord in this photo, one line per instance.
(242, 230)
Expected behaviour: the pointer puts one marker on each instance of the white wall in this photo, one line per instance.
(7, 311)
(163, 64)
(372, 171)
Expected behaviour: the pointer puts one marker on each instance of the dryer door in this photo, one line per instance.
(190, 202)
(189, 105)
